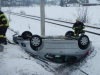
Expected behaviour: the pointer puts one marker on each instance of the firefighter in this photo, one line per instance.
(3, 28)
(78, 27)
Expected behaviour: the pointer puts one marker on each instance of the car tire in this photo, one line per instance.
(35, 42)
(83, 42)
(26, 35)
(69, 33)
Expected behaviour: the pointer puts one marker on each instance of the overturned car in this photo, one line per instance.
(58, 49)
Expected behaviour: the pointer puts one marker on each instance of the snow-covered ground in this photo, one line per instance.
(63, 13)
(14, 61)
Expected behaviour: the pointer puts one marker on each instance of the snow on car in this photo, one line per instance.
(58, 49)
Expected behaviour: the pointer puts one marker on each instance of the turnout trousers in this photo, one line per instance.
(3, 30)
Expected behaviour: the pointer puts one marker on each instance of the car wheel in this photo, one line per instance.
(69, 33)
(35, 42)
(26, 35)
(83, 42)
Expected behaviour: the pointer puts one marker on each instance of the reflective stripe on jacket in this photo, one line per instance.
(78, 25)
(3, 20)
(2, 36)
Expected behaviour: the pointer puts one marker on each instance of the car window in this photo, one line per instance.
(61, 58)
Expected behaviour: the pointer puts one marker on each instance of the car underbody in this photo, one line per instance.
(58, 49)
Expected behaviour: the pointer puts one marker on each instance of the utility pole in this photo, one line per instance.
(42, 10)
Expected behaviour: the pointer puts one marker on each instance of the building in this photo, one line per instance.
(79, 3)
(73, 3)
(84, 1)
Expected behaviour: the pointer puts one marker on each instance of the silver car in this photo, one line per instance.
(58, 49)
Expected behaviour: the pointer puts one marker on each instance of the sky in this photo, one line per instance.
(15, 61)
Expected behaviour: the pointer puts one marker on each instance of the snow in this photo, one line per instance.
(15, 61)
(63, 13)
(92, 1)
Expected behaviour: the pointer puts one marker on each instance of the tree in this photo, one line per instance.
(83, 14)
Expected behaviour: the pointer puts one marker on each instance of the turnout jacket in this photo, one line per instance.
(79, 25)
(3, 19)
